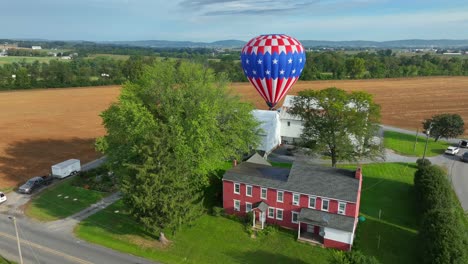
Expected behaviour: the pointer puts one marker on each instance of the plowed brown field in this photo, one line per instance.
(42, 127)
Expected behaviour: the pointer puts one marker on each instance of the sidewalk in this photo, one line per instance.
(68, 224)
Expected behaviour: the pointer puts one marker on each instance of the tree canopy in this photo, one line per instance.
(444, 125)
(172, 127)
(340, 124)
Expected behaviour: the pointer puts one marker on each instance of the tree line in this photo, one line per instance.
(87, 71)
(77, 72)
(333, 65)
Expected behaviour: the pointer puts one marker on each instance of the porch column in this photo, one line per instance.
(262, 218)
(299, 230)
(253, 218)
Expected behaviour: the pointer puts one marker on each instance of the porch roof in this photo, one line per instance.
(262, 206)
(325, 219)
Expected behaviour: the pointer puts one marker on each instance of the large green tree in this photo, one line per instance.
(172, 127)
(444, 125)
(340, 124)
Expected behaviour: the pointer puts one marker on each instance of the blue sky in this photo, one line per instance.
(211, 20)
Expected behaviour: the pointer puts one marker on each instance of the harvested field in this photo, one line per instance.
(39, 128)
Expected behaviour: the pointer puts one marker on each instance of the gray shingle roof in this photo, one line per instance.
(302, 178)
(256, 158)
(325, 219)
(262, 206)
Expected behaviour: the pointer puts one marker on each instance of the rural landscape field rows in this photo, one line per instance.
(39, 128)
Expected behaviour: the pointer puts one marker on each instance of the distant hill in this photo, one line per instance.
(408, 43)
(232, 43)
(180, 44)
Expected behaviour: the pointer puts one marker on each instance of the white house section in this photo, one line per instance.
(270, 129)
(291, 126)
(338, 235)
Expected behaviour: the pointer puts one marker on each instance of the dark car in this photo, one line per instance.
(34, 183)
(463, 144)
(464, 157)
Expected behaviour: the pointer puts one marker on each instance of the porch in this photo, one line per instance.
(259, 211)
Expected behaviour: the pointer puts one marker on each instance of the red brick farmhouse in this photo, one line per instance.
(322, 203)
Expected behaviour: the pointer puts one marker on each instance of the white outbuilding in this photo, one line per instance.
(270, 130)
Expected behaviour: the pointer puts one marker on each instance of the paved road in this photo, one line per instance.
(40, 244)
(54, 242)
(457, 170)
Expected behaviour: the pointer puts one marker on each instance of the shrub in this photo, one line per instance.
(432, 188)
(442, 238)
(218, 211)
(351, 257)
(423, 163)
(248, 218)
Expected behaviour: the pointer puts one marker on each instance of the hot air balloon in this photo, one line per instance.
(273, 63)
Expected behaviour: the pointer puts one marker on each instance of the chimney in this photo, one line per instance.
(234, 162)
(358, 174)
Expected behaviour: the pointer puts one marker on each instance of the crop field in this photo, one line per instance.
(39, 128)
(11, 59)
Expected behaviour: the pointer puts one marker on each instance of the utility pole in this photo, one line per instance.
(17, 239)
(428, 132)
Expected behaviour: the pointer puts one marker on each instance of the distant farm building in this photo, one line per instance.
(36, 47)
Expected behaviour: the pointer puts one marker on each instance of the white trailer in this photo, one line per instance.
(66, 168)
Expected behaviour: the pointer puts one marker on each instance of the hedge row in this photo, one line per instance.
(443, 233)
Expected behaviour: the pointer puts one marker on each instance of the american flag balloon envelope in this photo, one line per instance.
(273, 63)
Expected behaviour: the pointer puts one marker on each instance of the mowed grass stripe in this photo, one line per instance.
(51, 204)
(406, 144)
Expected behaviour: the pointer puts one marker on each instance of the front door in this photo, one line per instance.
(310, 229)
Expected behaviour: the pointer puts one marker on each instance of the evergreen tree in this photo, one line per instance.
(169, 130)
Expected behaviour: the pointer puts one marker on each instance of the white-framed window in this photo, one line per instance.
(263, 194)
(237, 188)
(248, 207)
(236, 205)
(279, 214)
(295, 199)
(294, 217)
(248, 190)
(312, 200)
(279, 196)
(271, 212)
(341, 208)
(325, 204)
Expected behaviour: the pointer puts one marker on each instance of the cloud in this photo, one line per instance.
(245, 7)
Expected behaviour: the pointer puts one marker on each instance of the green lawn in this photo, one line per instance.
(5, 261)
(404, 144)
(210, 240)
(11, 59)
(281, 164)
(59, 201)
(388, 188)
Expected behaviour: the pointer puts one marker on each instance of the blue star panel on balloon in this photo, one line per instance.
(273, 63)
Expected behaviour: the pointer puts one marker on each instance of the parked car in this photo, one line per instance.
(464, 157)
(463, 144)
(2, 197)
(35, 183)
(452, 150)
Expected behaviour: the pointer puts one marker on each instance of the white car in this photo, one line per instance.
(452, 150)
(2, 197)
